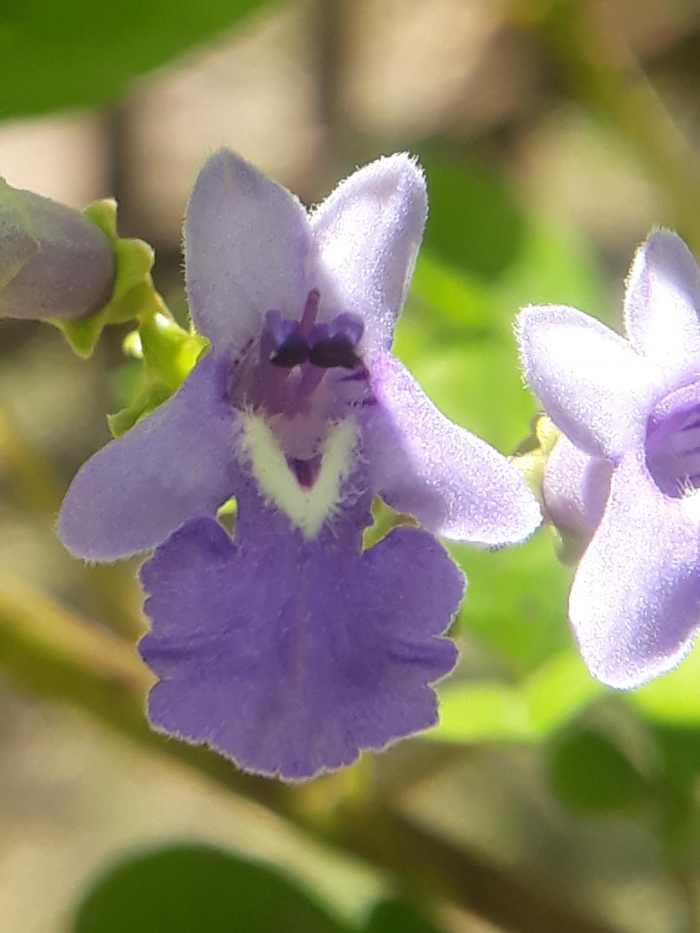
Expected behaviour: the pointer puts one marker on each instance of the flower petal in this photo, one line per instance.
(662, 303)
(590, 381)
(575, 487)
(290, 656)
(635, 602)
(455, 484)
(368, 233)
(170, 467)
(247, 243)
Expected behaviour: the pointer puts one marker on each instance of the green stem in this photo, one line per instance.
(58, 655)
(606, 75)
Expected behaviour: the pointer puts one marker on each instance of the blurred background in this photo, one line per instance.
(555, 135)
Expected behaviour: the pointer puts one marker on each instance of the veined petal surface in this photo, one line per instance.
(635, 602)
(454, 483)
(176, 463)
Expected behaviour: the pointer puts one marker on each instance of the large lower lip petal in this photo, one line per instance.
(292, 656)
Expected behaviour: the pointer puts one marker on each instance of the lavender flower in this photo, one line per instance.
(288, 648)
(626, 476)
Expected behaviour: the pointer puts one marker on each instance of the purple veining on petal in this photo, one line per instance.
(301, 397)
(673, 442)
(292, 656)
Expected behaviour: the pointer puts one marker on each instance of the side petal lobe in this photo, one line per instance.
(170, 467)
(454, 483)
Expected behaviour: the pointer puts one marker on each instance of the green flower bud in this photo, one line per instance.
(54, 261)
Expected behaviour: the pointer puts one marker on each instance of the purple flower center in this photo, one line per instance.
(302, 378)
(673, 442)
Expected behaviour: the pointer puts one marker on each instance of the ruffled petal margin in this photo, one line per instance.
(290, 656)
(590, 381)
(454, 483)
(173, 465)
(635, 602)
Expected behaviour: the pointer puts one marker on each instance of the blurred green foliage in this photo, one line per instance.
(84, 54)
(196, 887)
(590, 774)
(187, 888)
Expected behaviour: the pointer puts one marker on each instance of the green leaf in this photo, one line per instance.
(398, 917)
(189, 888)
(450, 298)
(81, 53)
(590, 775)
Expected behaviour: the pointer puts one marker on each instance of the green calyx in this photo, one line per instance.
(168, 354)
(133, 295)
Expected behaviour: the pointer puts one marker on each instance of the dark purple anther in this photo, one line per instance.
(293, 352)
(282, 342)
(334, 351)
(333, 345)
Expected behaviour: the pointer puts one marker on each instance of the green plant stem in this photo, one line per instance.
(607, 77)
(58, 655)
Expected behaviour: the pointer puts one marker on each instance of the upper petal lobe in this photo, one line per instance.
(662, 304)
(368, 233)
(247, 244)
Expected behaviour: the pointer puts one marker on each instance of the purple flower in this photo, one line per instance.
(289, 649)
(625, 478)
